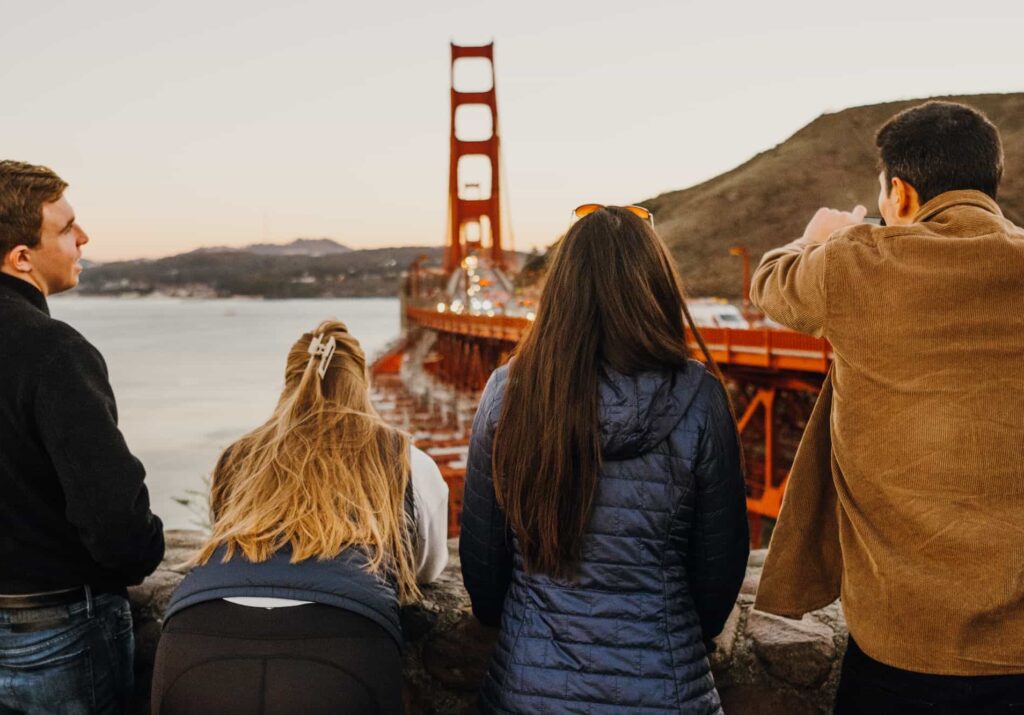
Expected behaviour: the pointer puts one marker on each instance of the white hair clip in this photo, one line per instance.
(325, 350)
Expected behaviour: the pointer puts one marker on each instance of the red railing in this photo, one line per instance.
(498, 327)
(757, 348)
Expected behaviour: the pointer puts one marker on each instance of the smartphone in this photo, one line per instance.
(876, 220)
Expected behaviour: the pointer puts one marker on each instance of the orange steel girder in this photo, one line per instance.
(465, 362)
(463, 212)
(769, 501)
(759, 426)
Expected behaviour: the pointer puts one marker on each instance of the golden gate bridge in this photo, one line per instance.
(454, 337)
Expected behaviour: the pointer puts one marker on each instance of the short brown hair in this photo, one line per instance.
(24, 188)
(941, 146)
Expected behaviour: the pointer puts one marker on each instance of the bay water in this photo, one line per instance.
(191, 375)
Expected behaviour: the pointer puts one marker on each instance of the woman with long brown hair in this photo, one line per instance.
(324, 521)
(604, 519)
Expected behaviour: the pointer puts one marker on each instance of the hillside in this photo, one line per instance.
(768, 200)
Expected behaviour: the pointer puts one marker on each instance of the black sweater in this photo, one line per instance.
(73, 506)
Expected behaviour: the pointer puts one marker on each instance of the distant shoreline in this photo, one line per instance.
(376, 273)
(159, 295)
(322, 269)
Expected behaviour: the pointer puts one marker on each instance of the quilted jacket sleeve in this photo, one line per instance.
(485, 544)
(720, 540)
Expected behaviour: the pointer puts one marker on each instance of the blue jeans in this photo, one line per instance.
(67, 660)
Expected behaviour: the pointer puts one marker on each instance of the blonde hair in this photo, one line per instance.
(323, 474)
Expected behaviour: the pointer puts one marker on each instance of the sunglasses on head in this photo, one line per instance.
(639, 211)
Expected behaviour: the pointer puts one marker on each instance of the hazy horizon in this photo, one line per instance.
(280, 242)
(194, 124)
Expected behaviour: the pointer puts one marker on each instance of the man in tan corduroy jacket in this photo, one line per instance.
(907, 494)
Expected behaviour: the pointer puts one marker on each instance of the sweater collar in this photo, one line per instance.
(15, 287)
(949, 199)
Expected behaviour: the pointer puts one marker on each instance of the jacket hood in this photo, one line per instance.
(638, 411)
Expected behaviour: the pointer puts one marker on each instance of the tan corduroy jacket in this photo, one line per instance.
(907, 493)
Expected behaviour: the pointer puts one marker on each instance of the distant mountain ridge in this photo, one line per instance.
(308, 268)
(298, 247)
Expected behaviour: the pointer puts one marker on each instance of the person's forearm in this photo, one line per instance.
(788, 286)
(432, 534)
(146, 551)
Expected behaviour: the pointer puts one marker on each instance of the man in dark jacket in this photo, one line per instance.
(75, 524)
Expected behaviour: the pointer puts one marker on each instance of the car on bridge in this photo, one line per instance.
(716, 313)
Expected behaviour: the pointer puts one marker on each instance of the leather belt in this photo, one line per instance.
(46, 599)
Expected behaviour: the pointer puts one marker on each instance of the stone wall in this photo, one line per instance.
(763, 664)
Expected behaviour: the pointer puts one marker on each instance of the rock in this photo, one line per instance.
(417, 622)
(832, 616)
(725, 642)
(153, 595)
(181, 545)
(750, 583)
(447, 593)
(459, 657)
(800, 652)
(761, 700)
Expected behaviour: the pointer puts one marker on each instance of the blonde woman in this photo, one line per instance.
(325, 520)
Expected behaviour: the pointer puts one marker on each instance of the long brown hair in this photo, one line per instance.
(325, 472)
(612, 297)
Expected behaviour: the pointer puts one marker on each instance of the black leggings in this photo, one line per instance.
(219, 657)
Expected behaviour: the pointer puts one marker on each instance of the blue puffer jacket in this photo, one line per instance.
(662, 560)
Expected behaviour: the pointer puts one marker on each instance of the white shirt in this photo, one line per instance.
(430, 547)
(430, 495)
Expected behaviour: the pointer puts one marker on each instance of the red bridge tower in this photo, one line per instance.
(474, 224)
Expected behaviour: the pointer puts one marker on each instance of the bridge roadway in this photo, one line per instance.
(774, 374)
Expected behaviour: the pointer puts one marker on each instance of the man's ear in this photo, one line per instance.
(18, 260)
(907, 199)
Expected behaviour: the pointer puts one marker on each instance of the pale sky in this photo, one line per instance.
(208, 122)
